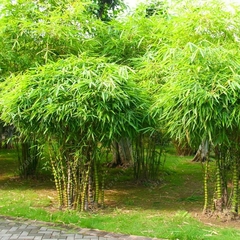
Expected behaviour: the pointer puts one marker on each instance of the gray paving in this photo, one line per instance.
(30, 230)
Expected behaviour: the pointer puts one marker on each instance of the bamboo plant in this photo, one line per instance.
(80, 105)
(199, 65)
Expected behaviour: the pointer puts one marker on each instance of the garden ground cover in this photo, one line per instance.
(170, 207)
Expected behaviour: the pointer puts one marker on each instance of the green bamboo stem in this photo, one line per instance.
(84, 190)
(102, 190)
(96, 179)
(90, 189)
(219, 196)
(80, 187)
(62, 176)
(75, 183)
(206, 186)
(235, 188)
(57, 183)
(69, 185)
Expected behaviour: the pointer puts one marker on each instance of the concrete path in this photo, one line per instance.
(30, 230)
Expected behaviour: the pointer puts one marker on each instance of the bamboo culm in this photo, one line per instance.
(206, 186)
(235, 187)
(218, 200)
(96, 179)
(84, 189)
(102, 190)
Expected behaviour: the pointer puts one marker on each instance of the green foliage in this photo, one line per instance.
(84, 97)
(156, 7)
(32, 33)
(201, 100)
(184, 54)
(107, 9)
(198, 63)
(126, 40)
(75, 104)
(200, 67)
(121, 41)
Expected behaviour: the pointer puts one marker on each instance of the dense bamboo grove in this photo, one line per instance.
(78, 106)
(78, 85)
(200, 97)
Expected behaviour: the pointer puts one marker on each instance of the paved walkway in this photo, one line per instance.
(30, 230)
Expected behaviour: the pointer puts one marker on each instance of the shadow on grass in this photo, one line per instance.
(17, 183)
(9, 174)
(179, 186)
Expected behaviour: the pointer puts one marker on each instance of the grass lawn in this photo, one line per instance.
(169, 208)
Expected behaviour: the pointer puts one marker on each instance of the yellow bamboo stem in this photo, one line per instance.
(206, 186)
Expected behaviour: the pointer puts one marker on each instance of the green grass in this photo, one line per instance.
(162, 209)
(144, 223)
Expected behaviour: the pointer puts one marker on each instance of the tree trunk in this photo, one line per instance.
(202, 152)
(122, 153)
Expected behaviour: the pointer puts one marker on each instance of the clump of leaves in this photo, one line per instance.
(75, 104)
(199, 99)
(80, 95)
